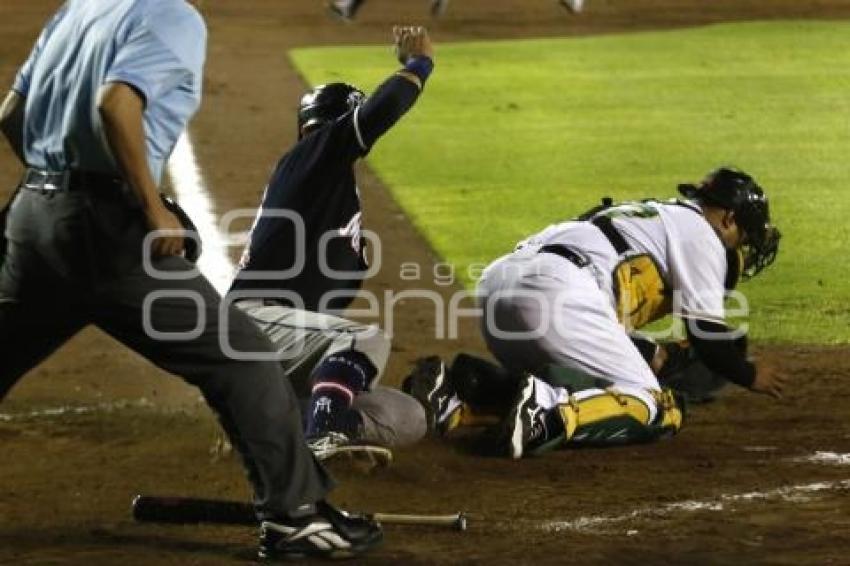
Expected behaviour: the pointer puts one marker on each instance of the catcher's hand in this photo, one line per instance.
(769, 381)
(411, 42)
(682, 370)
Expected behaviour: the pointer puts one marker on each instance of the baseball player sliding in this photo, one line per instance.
(336, 363)
(556, 313)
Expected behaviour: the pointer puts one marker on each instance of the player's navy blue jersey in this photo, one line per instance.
(315, 180)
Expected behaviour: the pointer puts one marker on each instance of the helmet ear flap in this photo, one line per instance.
(326, 103)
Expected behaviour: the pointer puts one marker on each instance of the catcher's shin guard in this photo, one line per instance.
(604, 417)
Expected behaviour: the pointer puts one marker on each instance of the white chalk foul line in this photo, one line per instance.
(191, 192)
(74, 410)
(828, 458)
(796, 493)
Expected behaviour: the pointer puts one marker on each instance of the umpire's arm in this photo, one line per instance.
(12, 122)
(121, 108)
(13, 108)
(397, 94)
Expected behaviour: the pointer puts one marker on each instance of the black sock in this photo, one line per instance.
(336, 380)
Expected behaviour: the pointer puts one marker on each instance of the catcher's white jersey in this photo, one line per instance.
(690, 257)
(539, 307)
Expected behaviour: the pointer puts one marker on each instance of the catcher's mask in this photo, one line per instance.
(736, 191)
(326, 103)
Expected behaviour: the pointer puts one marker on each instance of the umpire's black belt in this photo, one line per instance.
(565, 252)
(71, 180)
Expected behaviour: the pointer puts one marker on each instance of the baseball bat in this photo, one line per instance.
(188, 510)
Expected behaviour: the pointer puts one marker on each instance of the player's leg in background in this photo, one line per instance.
(254, 402)
(438, 7)
(330, 360)
(345, 10)
(574, 6)
(390, 417)
(334, 362)
(336, 381)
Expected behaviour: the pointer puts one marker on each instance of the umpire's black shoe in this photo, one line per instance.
(326, 533)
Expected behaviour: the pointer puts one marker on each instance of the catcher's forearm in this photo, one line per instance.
(12, 122)
(722, 355)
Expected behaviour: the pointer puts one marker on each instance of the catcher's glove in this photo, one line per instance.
(684, 373)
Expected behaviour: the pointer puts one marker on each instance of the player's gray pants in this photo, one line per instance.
(303, 339)
(74, 259)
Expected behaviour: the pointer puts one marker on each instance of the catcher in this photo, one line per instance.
(306, 258)
(558, 310)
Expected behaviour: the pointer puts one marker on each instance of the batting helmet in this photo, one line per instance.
(326, 103)
(734, 190)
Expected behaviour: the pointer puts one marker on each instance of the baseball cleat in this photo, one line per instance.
(324, 533)
(345, 10)
(529, 429)
(431, 384)
(574, 6)
(336, 444)
(438, 7)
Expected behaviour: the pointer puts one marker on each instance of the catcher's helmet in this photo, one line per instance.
(736, 191)
(326, 103)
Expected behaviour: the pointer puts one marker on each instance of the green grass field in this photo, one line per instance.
(511, 136)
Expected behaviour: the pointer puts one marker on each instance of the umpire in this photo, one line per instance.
(93, 114)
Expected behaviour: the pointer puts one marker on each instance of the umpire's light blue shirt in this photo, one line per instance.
(156, 46)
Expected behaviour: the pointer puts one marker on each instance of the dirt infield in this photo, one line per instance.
(749, 480)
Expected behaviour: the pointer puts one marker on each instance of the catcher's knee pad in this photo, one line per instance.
(608, 417)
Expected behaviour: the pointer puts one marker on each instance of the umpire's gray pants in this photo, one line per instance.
(75, 259)
(303, 339)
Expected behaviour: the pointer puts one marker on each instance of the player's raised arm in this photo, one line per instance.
(413, 47)
(400, 91)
